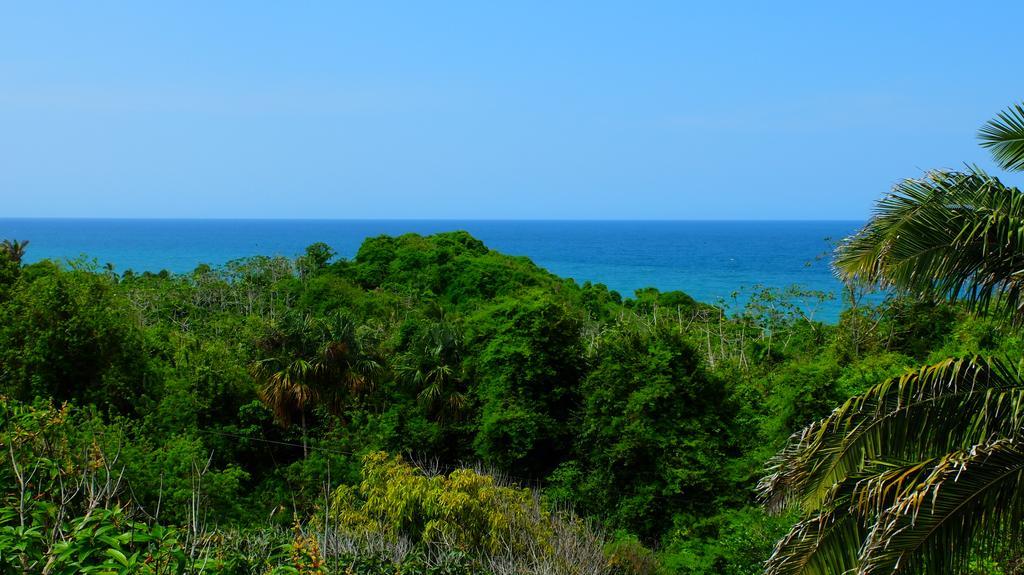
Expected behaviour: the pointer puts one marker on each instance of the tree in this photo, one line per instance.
(315, 259)
(309, 362)
(67, 334)
(14, 249)
(650, 438)
(920, 472)
(433, 368)
(526, 363)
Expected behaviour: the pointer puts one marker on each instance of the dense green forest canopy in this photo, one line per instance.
(270, 393)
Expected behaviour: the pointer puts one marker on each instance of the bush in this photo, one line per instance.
(501, 528)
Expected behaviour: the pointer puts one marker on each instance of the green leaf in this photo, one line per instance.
(921, 415)
(971, 499)
(118, 555)
(824, 544)
(1004, 137)
(951, 235)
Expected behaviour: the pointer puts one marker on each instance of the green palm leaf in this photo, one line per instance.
(923, 414)
(922, 471)
(950, 235)
(824, 544)
(1004, 137)
(829, 541)
(971, 499)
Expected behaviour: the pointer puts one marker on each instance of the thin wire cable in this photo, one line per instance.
(275, 442)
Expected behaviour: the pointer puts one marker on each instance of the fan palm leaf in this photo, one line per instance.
(432, 366)
(286, 387)
(14, 249)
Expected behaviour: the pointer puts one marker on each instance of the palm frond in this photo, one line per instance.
(14, 249)
(825, 544)
(1004, 137)
(920, 415)
(950, 235)
(972, 499)
(830, 540)
(285, 386)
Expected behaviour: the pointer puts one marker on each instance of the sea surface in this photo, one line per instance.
(710, 260)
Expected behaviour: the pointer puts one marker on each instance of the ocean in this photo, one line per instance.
(710, 260)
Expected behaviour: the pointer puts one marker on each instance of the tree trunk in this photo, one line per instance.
(305, 448)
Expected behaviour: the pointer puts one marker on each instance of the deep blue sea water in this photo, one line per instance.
(707, 259)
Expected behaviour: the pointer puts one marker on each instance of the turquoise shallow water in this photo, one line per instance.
(707, 259)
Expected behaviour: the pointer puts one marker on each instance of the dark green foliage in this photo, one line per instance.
(10, 268)
(734, 542)
(412, 261)
(527, 362)
(453, 266)
(651, 434)
(803, 392)
(647, 300)
(68, 334)
(651, 415)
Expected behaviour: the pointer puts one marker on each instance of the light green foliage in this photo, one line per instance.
(466, 509)
(315, 259)
(104, 542)
(62, 500)
(647, 300)
(469, 514)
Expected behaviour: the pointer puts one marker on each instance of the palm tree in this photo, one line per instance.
(351, 368)
(432, 367)
(308, 362)
(14, 249)
(920, 472)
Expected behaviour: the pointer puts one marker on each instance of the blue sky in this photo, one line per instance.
(564, 110)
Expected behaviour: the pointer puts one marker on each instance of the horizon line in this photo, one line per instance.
(315, 219)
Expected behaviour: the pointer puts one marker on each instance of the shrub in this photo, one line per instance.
(500, 528)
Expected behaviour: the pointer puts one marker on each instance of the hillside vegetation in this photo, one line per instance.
(430, 406)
